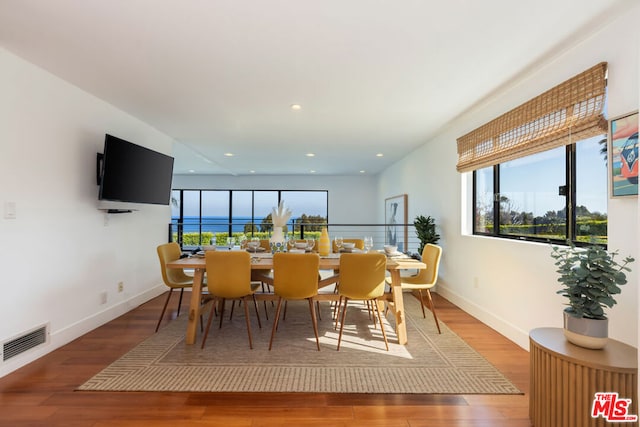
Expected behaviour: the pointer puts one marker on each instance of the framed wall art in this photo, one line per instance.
(623, 155)
(395, 219)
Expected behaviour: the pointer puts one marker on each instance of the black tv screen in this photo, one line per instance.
(135, 174)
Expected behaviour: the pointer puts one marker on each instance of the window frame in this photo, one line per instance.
(179, 221)
(570, 203)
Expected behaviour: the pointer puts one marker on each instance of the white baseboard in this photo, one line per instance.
(64, 336)
(499, 324)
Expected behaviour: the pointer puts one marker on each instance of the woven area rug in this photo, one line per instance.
(429, 363)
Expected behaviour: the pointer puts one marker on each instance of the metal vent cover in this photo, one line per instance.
(24, 342)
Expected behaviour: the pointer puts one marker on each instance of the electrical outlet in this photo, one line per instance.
(103, 297)
(120, 286)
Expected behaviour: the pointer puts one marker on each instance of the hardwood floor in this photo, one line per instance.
(42, 393)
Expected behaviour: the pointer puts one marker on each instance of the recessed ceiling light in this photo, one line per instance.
(192, 171)
(311, 155)
(379, 155)
(252, 171)
(362, 171)
(228, 154)
(312, 171)
(296, 107)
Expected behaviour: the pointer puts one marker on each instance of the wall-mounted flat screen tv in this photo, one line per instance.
(132, 173)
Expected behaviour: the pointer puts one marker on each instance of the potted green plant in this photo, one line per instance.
(426, 231)
(590, 277)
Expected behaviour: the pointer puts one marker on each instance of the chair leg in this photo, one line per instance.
(246, 315)
(221, 311)
(267, 291)
(424, 316)
(255, 305)
(166, 302)
(314, 320)
(433, 310)
(275, 322)
(384, 334)
(206, 332)
(371, 312)
(335, 291)
(344, 312)
(337, 313)
(180, 300)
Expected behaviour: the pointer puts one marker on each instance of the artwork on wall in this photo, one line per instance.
(623, 155)
(395, 218)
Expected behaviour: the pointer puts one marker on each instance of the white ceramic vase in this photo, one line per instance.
(277, 240)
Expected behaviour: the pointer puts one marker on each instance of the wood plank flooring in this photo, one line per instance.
(42, 393)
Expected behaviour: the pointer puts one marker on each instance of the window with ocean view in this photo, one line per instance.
(202, 217)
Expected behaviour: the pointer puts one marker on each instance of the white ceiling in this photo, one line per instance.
(219, 76)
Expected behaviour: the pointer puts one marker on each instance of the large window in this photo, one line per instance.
(554, 195)
(201, 217)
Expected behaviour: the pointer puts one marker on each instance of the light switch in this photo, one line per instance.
(9, 210)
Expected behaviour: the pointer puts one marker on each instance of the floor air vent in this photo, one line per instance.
(24, 342)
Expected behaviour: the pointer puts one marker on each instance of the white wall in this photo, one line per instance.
(61, 252)
(352, 199)
(511, 285)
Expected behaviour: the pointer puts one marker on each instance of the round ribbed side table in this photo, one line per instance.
(565, 378)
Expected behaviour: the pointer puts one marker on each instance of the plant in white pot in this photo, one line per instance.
(590, 277)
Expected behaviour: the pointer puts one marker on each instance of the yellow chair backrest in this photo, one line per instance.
(362, 276)
(172, 277)
(431, 257)
(228, 273)
(295, 276)
(358, 242)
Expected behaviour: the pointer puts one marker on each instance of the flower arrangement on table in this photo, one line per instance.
(279, 218)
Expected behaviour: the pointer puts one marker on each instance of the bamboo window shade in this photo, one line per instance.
(560, 116)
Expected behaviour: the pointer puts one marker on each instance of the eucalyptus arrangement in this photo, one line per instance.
(590, 277)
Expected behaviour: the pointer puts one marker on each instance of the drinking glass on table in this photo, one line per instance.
(339, 242)
(230, 241)
(368, 243)
(242, 241)
(254, 244)
(310, 244)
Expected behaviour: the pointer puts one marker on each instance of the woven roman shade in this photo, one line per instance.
(565, 114)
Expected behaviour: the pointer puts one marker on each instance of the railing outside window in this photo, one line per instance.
(191, 236)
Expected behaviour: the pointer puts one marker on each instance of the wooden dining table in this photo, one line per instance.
(264, 262)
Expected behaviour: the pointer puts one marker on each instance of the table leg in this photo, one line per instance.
(194, 306)
(398, 307)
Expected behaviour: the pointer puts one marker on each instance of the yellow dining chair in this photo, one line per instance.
(229, 277)
(295, 277)
(174, 278)
(359, 244)
(362, 277)
(426, 278)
